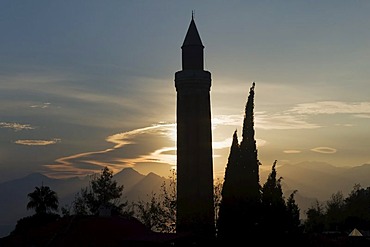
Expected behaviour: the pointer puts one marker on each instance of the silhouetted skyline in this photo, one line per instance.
(88, 85)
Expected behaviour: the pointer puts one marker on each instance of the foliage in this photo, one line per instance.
(315, 222)
(103, 193)
(341, 214)
(279, 216)
(273, 204)
(335, 211)
(240, 203)
(293, 222)
(43, 200)
(159, 213)
(34, 221)
(217, 189)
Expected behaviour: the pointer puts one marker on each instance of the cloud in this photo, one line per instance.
(163, 136)
(345, 125)
(37, 142)
(43, 105)
(282, 121)
(332, 107)
(124, 138)
(262, 120)
(16, 126)
(297, 117)
(324, 150)
(362, 115)
(227, 120)
(89, 162)
(292, 151)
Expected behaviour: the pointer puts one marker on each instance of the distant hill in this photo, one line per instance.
(318, 181)
(312, 180)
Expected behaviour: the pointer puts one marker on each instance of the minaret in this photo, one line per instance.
(195, 208)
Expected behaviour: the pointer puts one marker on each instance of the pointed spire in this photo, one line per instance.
(192, 48)
(192, 36)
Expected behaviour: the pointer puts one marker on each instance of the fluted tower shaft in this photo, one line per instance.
(195, 207)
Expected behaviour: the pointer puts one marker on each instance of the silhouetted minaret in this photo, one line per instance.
(195, 209)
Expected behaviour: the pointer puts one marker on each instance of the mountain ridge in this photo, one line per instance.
(312, 180)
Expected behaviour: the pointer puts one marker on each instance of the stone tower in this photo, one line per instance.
(195, 208)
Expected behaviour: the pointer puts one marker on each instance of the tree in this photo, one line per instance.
(274, 210)
(217, 189)
(315, 221)
(356, 208)
(340, 214)
(278, 216)
(241, 192)
(159, 212)
(103, 193)
(335, 212)
(293, 214)
(43, 200)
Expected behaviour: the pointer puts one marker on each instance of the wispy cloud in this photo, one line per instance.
(298, 116)
(37, 142)
(332, 107)
(362, 115)
(43, 105)
(93, 161)
(324, 150)
(263, 120)
(88, 162)
(16, 126)
(116, 158)
(292, 151)
(283, 121)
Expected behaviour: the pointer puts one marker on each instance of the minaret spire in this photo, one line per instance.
(192, 48)
(195, 208)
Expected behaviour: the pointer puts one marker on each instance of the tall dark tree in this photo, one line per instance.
(43, 200)
(229, 193)
(293, 221)
(249, 163)
(241, 192)
(274, 214)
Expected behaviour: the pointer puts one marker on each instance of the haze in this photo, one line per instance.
(85, 85)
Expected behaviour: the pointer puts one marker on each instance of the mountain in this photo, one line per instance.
(312, 180)
(318, 181)
(14, 192)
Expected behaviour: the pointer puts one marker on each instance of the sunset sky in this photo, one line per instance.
(88, 84)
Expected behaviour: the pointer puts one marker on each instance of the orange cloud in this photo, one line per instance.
(16, 126)
(324, 150)
(37, 142)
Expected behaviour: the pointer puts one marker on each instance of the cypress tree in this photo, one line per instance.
(274, 215)
(249, 168)
(239, 208)
(227, 213)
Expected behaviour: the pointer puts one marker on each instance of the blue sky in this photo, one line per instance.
(85, 84)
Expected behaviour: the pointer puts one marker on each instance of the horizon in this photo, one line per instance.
(97, 88)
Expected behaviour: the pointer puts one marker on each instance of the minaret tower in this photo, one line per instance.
(195, 208)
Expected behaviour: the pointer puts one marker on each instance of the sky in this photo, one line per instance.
(89, 84)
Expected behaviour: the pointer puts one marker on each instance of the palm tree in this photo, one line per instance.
(43, 200)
